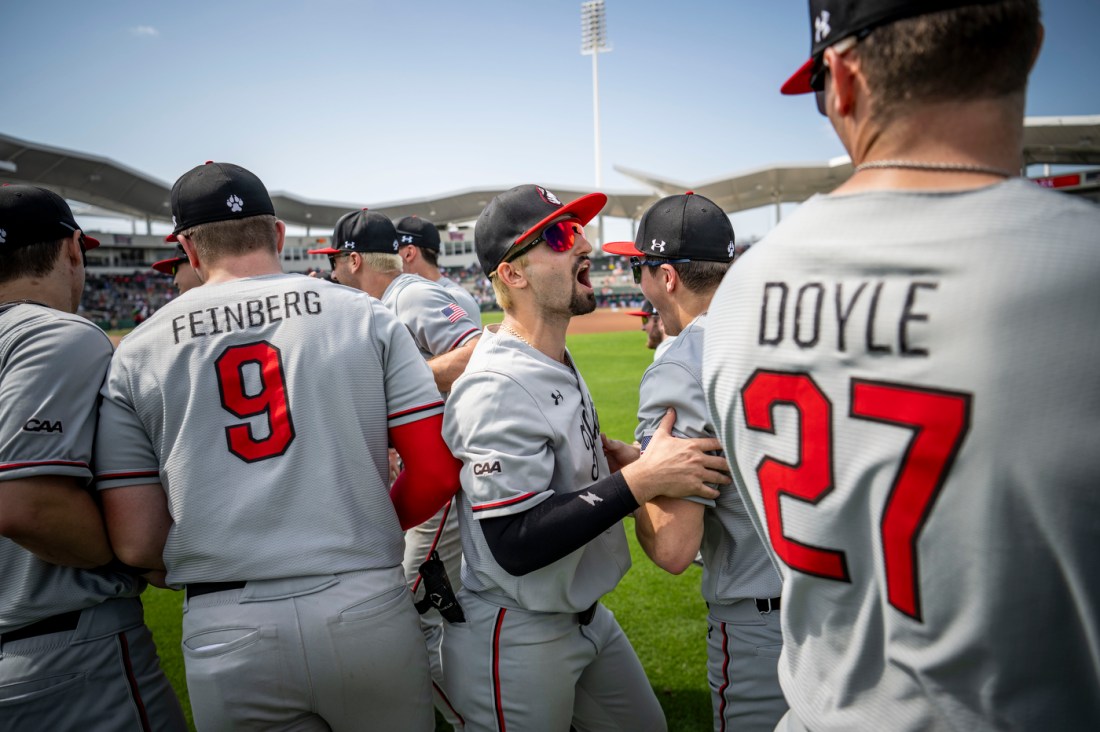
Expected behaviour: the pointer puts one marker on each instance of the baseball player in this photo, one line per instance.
(418, 245)
(541, 504)
(911, 406)
(242, 447)
(179, 269)
(75, 653)
(369, 259)
(683, 248)
(657, 339)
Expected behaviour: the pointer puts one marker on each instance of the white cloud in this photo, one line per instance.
(147, 31)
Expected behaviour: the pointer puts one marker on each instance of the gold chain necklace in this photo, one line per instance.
(514, 334)
(938, 167)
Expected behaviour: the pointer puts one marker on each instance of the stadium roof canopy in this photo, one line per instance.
(118, 189)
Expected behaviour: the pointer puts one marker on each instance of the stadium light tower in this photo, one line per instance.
(594, 42)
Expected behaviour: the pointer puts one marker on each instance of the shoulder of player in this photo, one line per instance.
(73, 333)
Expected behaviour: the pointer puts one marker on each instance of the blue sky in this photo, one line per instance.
(368, 102)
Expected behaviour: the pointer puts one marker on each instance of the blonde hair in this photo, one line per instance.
(501, 290)
(381, 262)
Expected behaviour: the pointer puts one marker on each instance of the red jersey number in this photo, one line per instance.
(939, 421)
(270, 400)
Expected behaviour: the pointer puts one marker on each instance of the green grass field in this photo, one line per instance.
(664, 616)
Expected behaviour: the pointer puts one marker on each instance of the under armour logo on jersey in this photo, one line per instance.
(406, 239)
(3, 236)
(548, 196)
(235, 203)
(821, 27)
(349, 245)
(590, 498)
(730, 250)
(658, 246)
(557, 397)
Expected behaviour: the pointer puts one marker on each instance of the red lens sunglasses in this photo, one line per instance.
(560, 237)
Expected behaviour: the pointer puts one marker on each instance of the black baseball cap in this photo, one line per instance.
(167, 265)
(419, 232)
(831, 21)
(515, 215)
(362, 231)
(217, 192)
(686, 226)
(33, 215)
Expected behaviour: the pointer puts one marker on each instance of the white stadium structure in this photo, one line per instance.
(108, 188)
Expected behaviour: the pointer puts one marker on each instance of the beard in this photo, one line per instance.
(580, 303)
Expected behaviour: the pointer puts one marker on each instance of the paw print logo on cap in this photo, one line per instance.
(235, 203)
(3, 236)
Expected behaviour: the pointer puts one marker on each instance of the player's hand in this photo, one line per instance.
(619, 454)
(157, 578)
(676, 467)
(395, 465)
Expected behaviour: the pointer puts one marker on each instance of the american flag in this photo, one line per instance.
(454, 313)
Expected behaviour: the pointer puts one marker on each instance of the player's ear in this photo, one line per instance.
(845, 79)
(281, 228)
(71, 250)
(511, 275)
(189, 250)
(671, 277)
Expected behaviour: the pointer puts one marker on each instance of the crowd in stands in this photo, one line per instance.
(123, 301)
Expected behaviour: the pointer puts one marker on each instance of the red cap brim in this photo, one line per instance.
(90, 242)
(622, 248)
(800, 82)
(639, 313)
(330, 250)
(584, 209)
(171, 238)
(166, 265)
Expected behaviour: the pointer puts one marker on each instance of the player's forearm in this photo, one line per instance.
(447, 367)
(431, 475)
(55, 519)
(525, 542)
(138, 523)
(670, 532)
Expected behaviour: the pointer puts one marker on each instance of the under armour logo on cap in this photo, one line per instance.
(349, 245)
(406, 239)
(731, 250)
(658, 246)
(235, 203)
(821, 27)
(3, 236)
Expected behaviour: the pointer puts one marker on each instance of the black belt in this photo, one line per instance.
(584, 617)
(767, 605)
(196, 589)
(53, 624)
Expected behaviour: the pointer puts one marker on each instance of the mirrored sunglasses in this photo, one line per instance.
(560, 237)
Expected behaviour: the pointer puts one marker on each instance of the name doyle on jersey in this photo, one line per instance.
(881, 317)
(246, 314)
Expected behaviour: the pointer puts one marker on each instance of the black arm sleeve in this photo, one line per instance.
(561, 524)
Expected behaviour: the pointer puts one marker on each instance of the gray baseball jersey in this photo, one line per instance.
(51, 366)
(736, 565)
(437, 322)
(742, 645)
(269, 439)
(907, 384)
(525, 427)
(463, 297)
